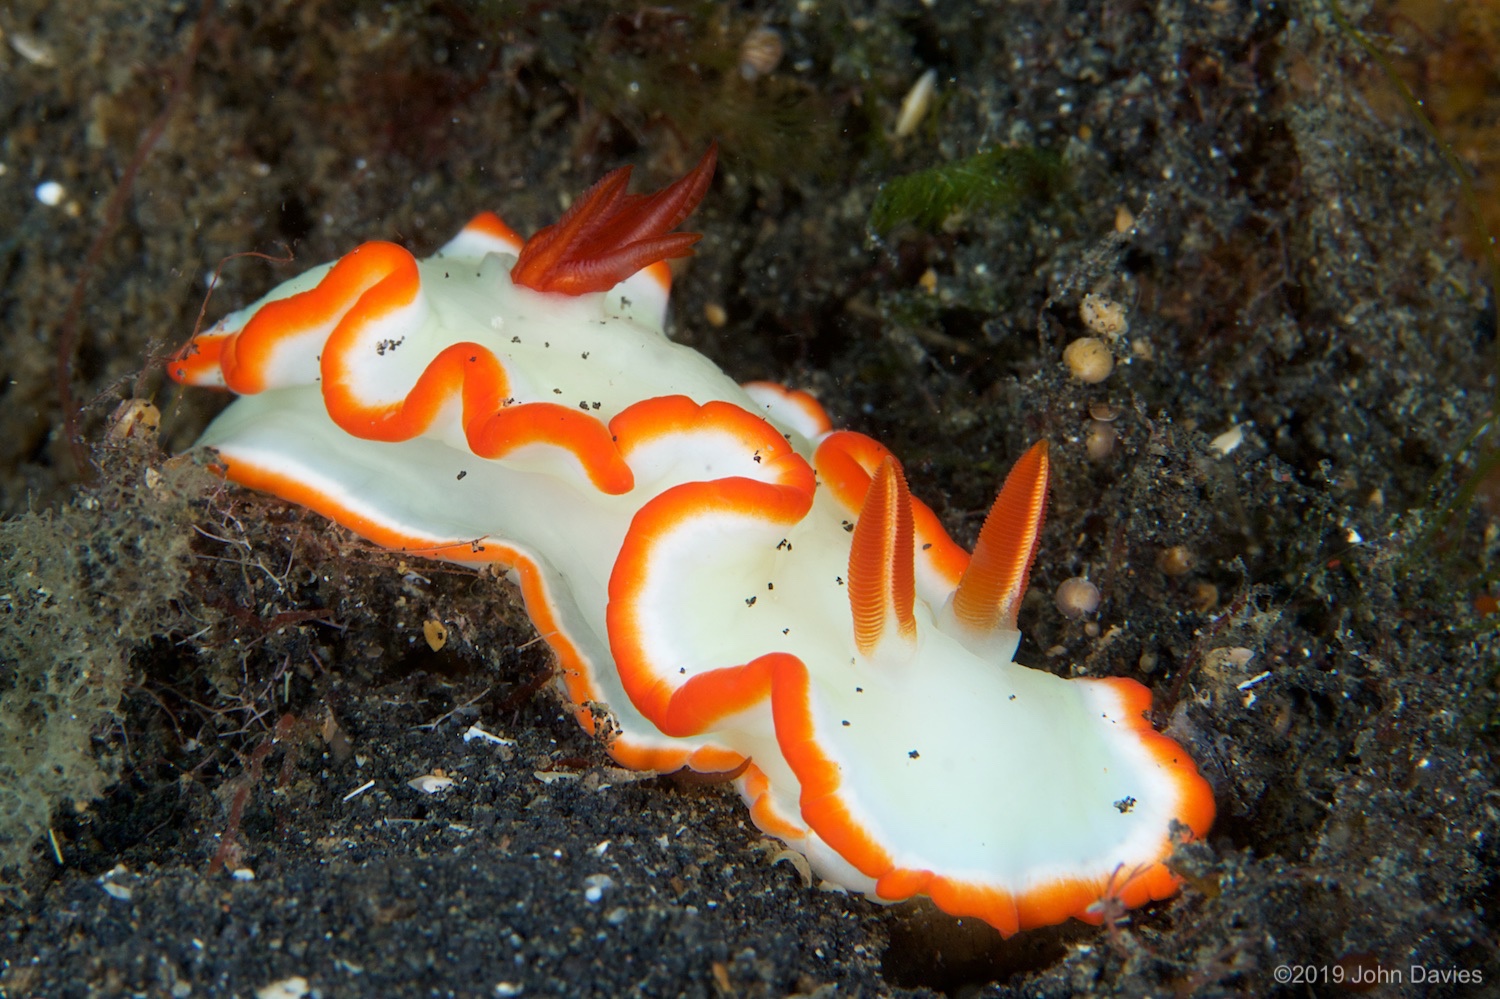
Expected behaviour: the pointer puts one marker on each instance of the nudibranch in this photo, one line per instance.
(728, 583)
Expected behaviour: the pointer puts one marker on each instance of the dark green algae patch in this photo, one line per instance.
(234, 669)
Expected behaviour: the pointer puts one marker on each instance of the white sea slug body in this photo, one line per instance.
(728, 584)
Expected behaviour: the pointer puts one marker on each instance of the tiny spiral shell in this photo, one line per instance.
(760, 53)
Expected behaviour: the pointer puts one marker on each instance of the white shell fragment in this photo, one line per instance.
(119, 892)
(915, 104)
(430, 783)
(475, 732)
(50, 193)
(294, 987)
(33, 50)
(1230, 439)
(359, 790)
(114, 889)
(594, 887)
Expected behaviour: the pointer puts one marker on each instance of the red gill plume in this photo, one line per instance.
(608, 235)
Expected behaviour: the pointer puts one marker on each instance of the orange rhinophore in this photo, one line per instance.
(882, 567)
(990, 592)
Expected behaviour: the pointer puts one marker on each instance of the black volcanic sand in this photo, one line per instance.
(195, 680)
